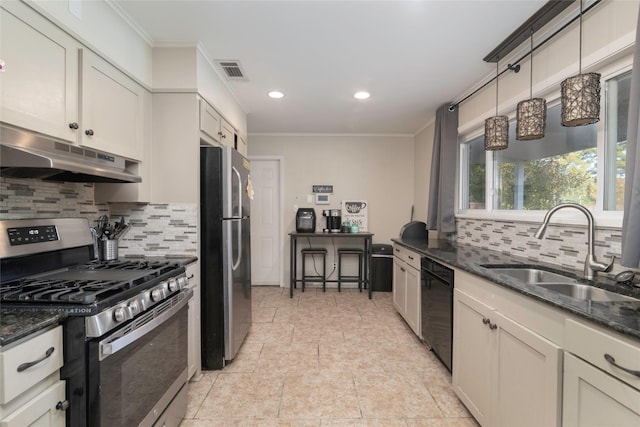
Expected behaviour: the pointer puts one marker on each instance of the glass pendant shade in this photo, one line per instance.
(531, 117)
(496, 133)
(580, 99)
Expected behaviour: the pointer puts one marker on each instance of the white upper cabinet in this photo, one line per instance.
(113, 109)
(55, 86)
(209, 122)
(39, 87)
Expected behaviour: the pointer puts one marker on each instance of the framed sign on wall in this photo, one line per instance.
(356, 212)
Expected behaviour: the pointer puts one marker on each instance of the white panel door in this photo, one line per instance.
(266, 233)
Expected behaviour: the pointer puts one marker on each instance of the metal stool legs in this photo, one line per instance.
(359, 278)
(320, 278)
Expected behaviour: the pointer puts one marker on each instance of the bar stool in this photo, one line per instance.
(350, 278)
(314, 278)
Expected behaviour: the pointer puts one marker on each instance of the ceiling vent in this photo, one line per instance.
(232, 70)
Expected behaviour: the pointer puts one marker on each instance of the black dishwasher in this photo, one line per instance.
(437, 308)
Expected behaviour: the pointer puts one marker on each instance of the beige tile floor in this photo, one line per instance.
(327, 359)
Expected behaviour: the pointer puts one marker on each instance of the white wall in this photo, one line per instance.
(378, 169)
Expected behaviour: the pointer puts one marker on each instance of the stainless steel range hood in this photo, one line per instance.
(25, 154)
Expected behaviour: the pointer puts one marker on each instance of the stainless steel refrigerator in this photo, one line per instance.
(225, 254)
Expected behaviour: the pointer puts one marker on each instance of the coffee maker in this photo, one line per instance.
(334, 220)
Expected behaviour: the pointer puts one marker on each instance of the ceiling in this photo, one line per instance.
(412, 56)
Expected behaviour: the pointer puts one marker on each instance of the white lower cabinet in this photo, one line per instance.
(593, 398)
(193, 339)
(505, 374)
(406, 287)
(42, 411)
(31, 392)
(600, 391)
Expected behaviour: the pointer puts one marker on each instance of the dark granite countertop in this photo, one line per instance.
(623, 317)
(16, 324)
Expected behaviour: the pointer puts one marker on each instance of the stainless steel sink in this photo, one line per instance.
(586, 292)
(532, 274)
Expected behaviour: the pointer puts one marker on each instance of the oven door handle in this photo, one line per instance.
(108, 347)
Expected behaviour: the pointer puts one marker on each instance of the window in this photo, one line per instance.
(477, 166)
(539, 174)
(617, 92)
(562, 167)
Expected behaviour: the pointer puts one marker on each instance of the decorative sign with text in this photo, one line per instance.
(322, 188)
(355, 212)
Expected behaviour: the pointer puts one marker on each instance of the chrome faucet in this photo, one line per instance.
(591, 265)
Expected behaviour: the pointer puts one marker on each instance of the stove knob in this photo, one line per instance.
(119, 314)
(182, 282)
(156, 295)
(134, 308)
(173, 285)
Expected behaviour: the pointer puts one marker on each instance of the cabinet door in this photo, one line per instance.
(527, 377)
(594, 398)
(242, 146)
(194, 358)
(41, 411)
(473, 344)
(413, 300)
(209, 121)
(400, 286)
(39, 85)
(227, 134)
(113, 108)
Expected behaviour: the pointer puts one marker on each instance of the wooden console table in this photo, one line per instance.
(365, 237)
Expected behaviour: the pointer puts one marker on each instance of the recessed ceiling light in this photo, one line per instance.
(276, 94)
(361, 95)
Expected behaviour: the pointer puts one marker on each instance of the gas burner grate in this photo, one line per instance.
(74, 292)
(130, 265)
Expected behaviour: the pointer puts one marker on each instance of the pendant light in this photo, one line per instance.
(496, 129)
(580, 94)
(531, 114)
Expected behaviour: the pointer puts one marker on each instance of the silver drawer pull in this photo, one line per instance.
(609, 358)
(27, 365)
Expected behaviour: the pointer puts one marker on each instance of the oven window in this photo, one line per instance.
(134, 379)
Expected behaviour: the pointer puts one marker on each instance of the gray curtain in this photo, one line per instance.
(441, 209)
(631, 220)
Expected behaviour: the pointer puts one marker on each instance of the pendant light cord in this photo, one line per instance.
(497, 76)
(580, 49)
(531, 72)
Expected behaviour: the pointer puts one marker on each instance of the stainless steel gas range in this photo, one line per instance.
(125, 335)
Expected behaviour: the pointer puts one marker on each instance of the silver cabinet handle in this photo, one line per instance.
(62, 406)
(486, 321)
(609, 358)
(493, 326)
(27, 365)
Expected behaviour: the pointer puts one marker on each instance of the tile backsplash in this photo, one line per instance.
(155, 229)
(564, 245)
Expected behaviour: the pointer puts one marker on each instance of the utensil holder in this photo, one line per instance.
(108, 249)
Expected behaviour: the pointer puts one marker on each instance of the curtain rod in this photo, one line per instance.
(515, 66)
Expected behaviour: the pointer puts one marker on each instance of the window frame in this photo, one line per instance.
(604, 218)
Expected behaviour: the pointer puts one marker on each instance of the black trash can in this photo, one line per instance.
(381, 267)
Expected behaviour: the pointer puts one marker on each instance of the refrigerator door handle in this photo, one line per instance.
(239, 178)
(239, 237)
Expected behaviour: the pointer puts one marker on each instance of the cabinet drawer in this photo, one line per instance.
(592, 344)
(408, 256)
(36, 348)
(41, 410)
